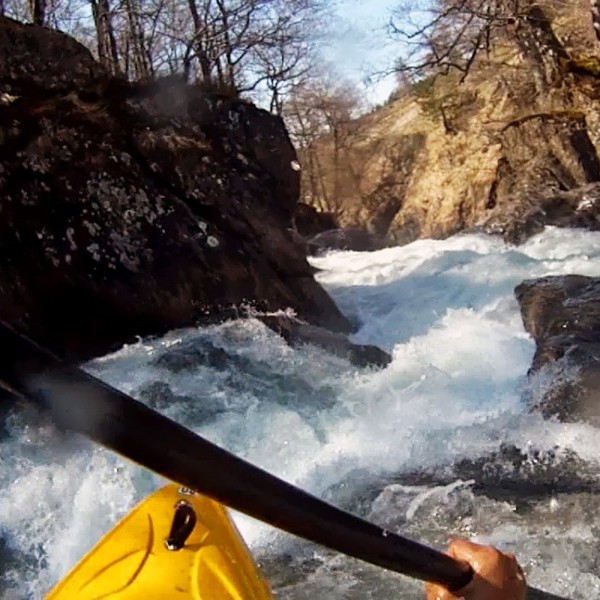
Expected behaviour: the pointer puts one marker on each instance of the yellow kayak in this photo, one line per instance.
(175, 544)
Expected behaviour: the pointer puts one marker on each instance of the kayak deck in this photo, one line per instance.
(134, 561)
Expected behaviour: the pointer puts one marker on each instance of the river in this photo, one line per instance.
(446, 312)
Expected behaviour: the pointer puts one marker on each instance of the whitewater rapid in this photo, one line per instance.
(446, 312)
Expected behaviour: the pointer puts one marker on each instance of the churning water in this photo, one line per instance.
(361, 438)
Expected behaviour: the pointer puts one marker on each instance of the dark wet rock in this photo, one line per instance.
(300, 242)
(133, 209)
(239, 376)
(560, 306)
(190, 355)
(160, 396)
(513, 474)
(38, 61)
(356, 239)
(568, 389)
(308, 221)
(563, 316)
(579, 207)
(296, 332)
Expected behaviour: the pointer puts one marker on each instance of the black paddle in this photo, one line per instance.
(81, 403)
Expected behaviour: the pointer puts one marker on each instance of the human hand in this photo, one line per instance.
(497, 576)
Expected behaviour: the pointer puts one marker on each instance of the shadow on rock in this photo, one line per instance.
(579, 207)
(359, 240)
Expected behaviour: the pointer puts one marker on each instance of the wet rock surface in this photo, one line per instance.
(512, 473)
(518, 221)
(521, 477)
(296, 332)
(133, 209)
(351, 238)
(563, 316)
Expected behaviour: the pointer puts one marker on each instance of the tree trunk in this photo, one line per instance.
(137, 45)
(336, 166)
(228, 78)
(198, 42)
(100, 23)
(105, 35)
(38, 12)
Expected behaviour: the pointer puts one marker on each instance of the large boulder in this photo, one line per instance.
(133, 209)
(563, 316)
(577, 208)
(547, 174)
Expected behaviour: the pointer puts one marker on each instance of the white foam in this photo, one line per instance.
(446, 312)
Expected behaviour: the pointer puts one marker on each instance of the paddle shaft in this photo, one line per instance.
(82, 403)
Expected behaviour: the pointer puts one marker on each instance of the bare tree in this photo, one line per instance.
(452, 34)
(288, 58)
(261, 48)
(281, 66)
(321, 112)
(305, 124)
(105, 35)
(138, 64)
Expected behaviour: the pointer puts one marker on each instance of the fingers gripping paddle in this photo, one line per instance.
(81, 403)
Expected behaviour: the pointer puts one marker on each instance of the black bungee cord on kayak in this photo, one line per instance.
(184, 521)
(81, 403)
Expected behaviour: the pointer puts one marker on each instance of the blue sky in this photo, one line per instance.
(359, 44)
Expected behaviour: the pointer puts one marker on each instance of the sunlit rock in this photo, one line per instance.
(488, 149)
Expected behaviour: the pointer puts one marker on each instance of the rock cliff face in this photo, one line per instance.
(508, 150)
(133, 209)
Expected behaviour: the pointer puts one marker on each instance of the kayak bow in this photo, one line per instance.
(174, 544)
